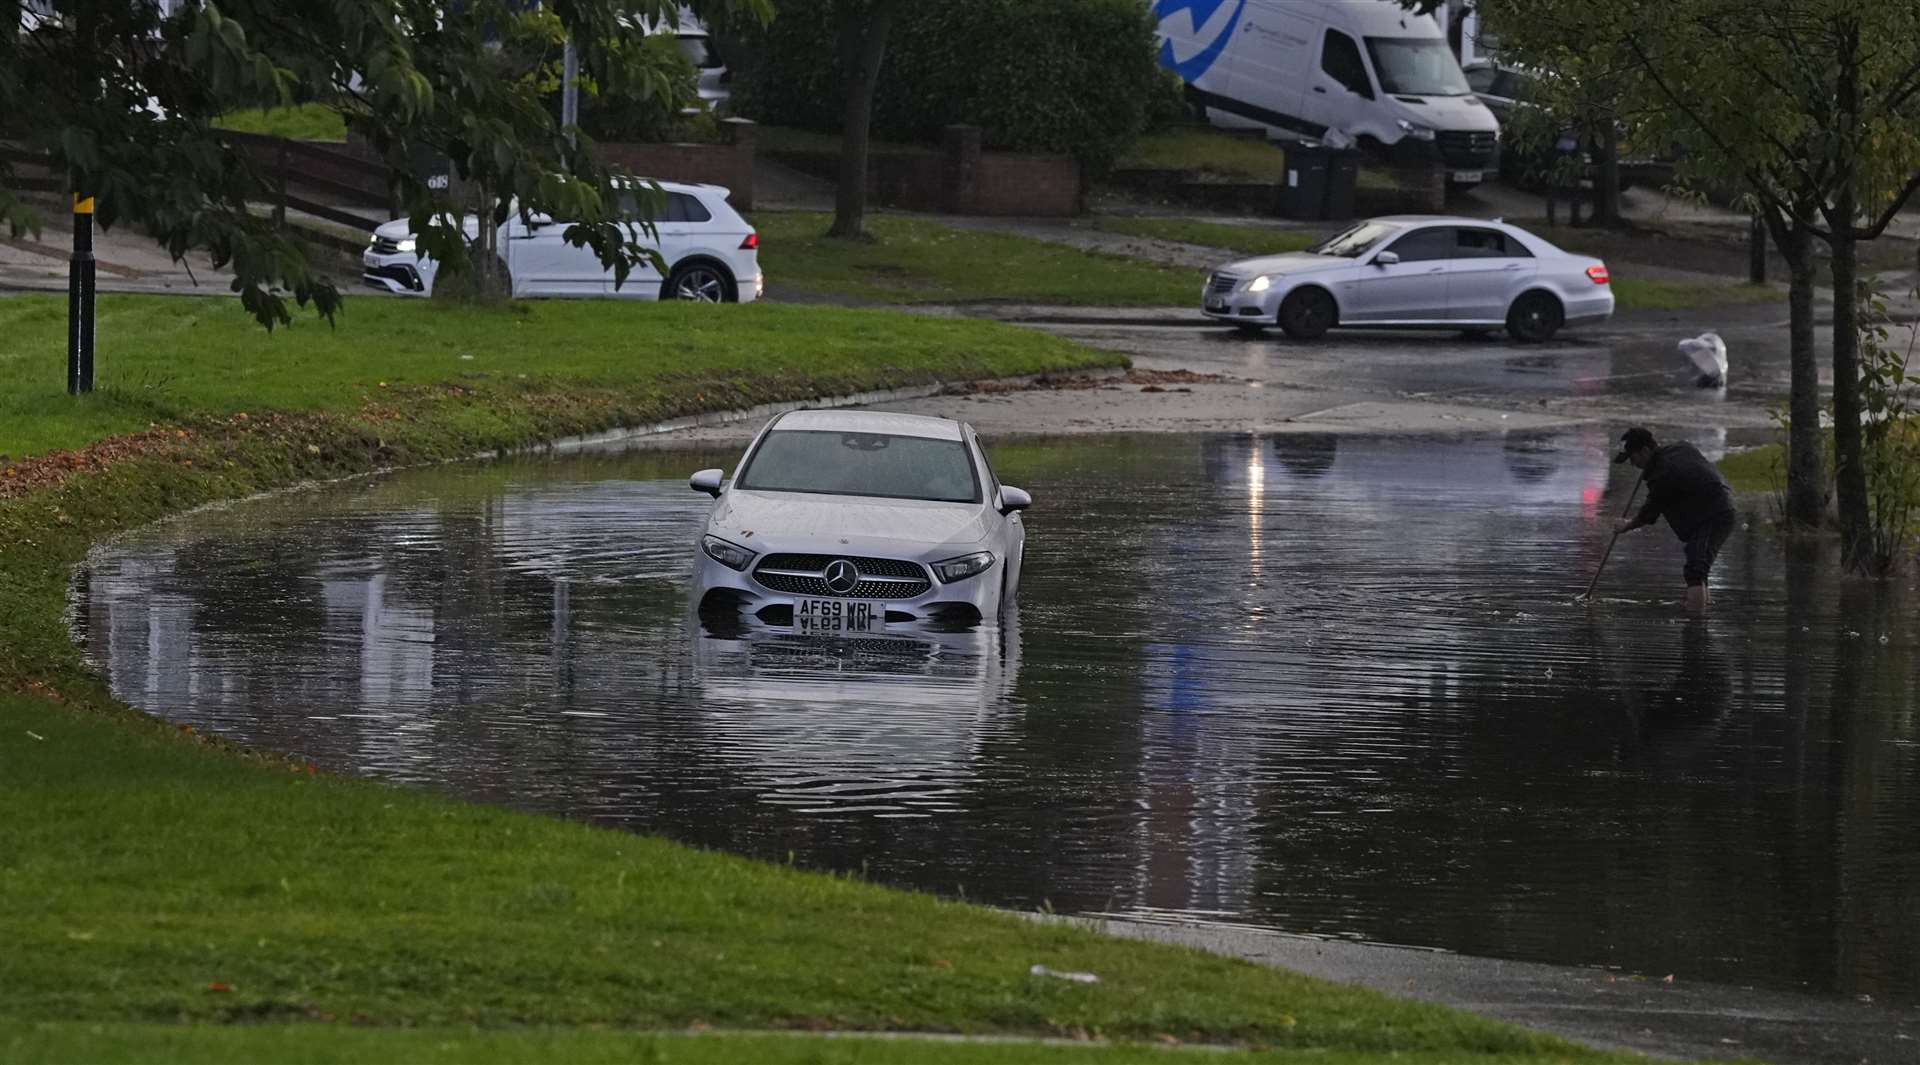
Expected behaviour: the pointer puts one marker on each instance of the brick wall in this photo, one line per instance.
(729, 164)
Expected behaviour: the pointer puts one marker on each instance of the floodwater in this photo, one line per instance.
(1326, 685)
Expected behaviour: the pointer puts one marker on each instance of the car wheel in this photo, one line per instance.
(700, 283)
(1535, 317)
(1307, 313)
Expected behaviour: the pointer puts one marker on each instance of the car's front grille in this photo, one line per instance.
(880, 578)
(386, 246)
(1221, 284)
(405, 276)
(1468, 148)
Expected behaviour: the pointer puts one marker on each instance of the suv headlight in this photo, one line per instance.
(730, 555)
(959, 569)
(1414, 130)
(407, 244)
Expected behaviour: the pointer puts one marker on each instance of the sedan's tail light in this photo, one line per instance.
(1598, 273)
(752, 243)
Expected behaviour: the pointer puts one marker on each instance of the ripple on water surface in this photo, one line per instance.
(1321, 684)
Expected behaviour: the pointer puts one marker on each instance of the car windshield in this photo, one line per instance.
(862, 464)
(1416, 66)
(1356, 241)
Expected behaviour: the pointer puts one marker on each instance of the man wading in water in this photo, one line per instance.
(1685, 487)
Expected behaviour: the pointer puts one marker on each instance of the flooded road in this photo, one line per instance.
(1320, 684)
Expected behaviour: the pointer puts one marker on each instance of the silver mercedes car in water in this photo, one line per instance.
(851, 523)
(1419, 272)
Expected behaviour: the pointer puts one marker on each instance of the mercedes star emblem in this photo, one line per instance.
(841, 576)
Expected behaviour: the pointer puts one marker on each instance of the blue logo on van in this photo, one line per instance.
(1201, 12)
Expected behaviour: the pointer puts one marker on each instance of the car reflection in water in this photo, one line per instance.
(888, 726)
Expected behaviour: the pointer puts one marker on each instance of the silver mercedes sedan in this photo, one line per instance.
(854, 523)
(1415, 272)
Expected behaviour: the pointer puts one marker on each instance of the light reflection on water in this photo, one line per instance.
(1319, 684)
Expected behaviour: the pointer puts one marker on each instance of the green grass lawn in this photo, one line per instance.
(1645, 294)
(145, 877)
(302, 122)
(1209, 152)
(1248, 240)
(169, 359)
(1757, 469)
(911, 260)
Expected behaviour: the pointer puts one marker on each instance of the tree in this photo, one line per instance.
(863, 29)
(122, 99)
(1808, 108)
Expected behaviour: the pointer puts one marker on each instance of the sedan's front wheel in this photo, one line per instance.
(1307, 313)
(700, 283)
(1534, 318)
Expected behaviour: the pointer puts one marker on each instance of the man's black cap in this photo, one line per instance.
(1633, 440)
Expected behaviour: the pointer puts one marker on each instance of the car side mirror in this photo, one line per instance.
(1387, 258)
(707, 481)
(1012, 499)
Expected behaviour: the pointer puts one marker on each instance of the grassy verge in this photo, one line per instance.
(1646, 294)
(1759, 469)
(302, 122)
(182, 361)
(159, 1045)
(1248, 240)
(165, 897)
(1211, 153)
(912, 260)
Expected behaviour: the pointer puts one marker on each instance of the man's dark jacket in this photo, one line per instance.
(1685, 487)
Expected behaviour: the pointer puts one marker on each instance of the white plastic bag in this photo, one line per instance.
(1708, 354)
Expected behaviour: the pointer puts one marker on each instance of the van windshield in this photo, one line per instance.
(1354, 242)
(1416, 66)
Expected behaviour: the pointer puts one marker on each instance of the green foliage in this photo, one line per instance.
(301, 122)
(657, 115)
(123, 100)
(1074, 76)
(1890, 446)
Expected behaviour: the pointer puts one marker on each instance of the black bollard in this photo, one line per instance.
(80, 300)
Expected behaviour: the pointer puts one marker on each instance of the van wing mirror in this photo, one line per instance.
(707, 481)
(1387, 258)
(1012, 499)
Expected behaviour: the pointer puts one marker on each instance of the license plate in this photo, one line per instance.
(1469, 176)
(837, 617)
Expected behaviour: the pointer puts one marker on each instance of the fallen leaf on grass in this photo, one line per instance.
(219, 988)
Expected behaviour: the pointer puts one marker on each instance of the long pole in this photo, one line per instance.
(1614, 539)
(80, 300)
(570, 90)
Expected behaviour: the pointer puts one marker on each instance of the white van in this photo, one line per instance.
(1367, 70)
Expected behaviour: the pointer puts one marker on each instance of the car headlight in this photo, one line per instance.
(1414, 130)
(730, 555)
(408, 244)
(1261, 283)
(959, 569)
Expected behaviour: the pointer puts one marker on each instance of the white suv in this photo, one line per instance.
(711, 254)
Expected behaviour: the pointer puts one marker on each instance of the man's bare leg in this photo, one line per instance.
(1697, 598)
